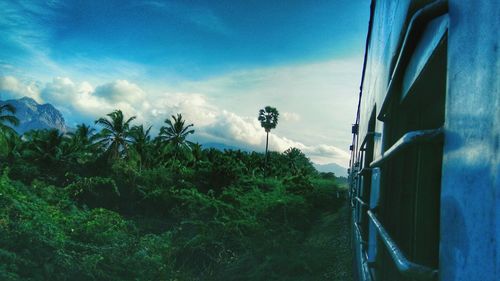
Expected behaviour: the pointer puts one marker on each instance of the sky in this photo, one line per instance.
(216, 62)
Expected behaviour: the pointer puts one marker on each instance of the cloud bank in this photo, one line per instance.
(84, 101)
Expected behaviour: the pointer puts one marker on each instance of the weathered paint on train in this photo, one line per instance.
(412, 47)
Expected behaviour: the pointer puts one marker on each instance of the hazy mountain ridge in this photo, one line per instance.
(331, 167)
(222, 146)
(33, 115)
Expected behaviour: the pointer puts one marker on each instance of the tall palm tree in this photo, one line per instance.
(115, 134)
(268, 118)
(8, 118)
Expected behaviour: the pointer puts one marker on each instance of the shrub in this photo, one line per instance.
(95, 192)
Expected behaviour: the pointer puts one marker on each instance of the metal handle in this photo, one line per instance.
(405, 266)
(406, 140)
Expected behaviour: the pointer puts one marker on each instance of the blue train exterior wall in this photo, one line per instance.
(469, 210)
(470, 187)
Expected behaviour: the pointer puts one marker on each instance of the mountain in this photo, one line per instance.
(338, 170)
(33, 115)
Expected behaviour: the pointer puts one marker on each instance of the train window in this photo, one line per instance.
(410, 188)
(429, 40)
(413, 7)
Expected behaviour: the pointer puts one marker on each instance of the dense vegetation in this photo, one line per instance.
(121, 205)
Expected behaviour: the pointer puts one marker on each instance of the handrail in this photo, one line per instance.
(363, 255)
(405, 266)
(358, 232)
(361, 201)
(364, 171)
(427, 13)
(365, 267)
(406, 140)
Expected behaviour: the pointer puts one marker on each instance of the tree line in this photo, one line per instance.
(119, 204)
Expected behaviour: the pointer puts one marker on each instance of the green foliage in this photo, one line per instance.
(118, 206)
(94, 192)
(298, 163)
(176, 132)
(45, 147)
(298, 184)
(7, 116)
(115, 134)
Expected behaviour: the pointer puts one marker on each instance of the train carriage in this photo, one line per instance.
(425, 152)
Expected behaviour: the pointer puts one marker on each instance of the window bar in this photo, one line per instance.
(406, 140)
(361, 202)
(365, 266)
(358, 232)
(404, 266)
(364, 171)
(367, 137)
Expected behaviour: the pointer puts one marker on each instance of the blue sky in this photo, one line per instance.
(217, 61)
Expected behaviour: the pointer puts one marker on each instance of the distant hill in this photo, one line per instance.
(33, 115)
(222, 147)
(338, 170)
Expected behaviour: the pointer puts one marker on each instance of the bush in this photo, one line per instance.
(95, 192)
(210, 217)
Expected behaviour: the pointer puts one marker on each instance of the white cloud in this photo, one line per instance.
(290, 116)
(194, 107)
(324, 154)
(60, 91)
(235, 129)
(247, 132)
(70, 97)
(17, 89)
(316, 102)
(120, 91)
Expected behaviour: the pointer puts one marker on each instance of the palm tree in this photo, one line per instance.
(8, 118)
(115, 135)
(81, 143)
(268, 118)
(13, 147)
(141, 143)
(197, 151)
(45, 146)
(175, 134)
(83, 134)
